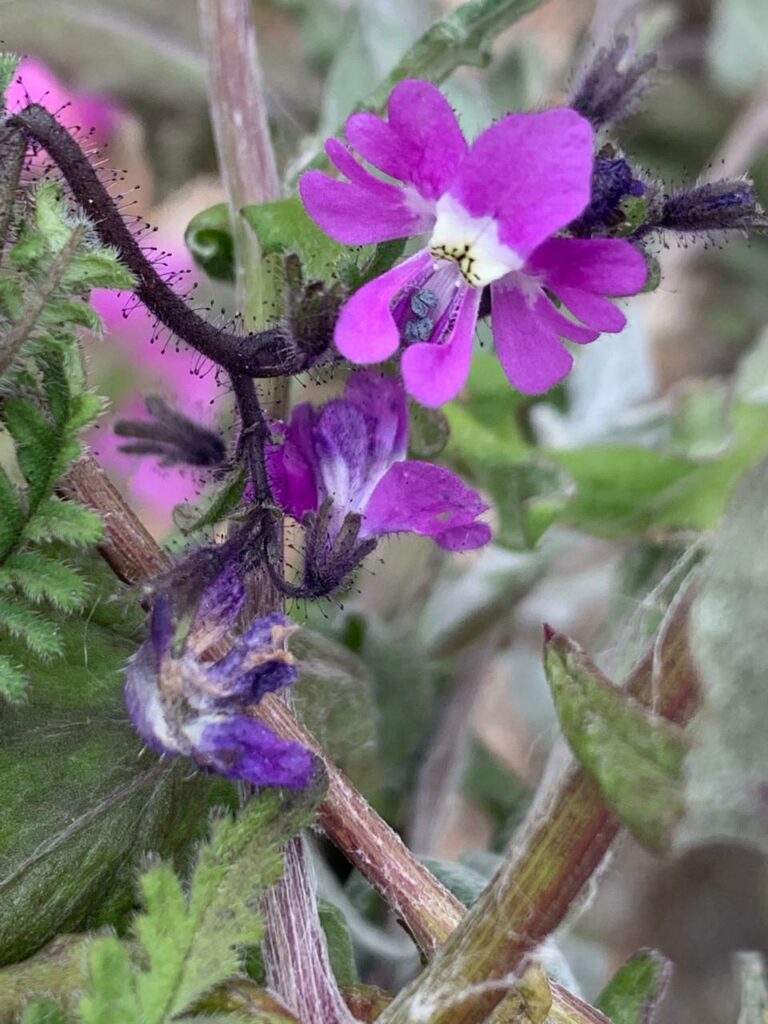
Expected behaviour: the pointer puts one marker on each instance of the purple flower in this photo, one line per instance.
(182, 706)
(491, 211)
(352, 451)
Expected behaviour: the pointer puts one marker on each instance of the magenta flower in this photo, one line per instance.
(178, 374)
(491, 210)
(90, 114)
(352, 452)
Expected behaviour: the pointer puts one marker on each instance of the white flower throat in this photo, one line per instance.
(472, 243)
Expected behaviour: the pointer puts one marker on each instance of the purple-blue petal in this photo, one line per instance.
(240, 747)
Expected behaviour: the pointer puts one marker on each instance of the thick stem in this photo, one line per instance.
(561, 846)
(267, 353)
(295, 951)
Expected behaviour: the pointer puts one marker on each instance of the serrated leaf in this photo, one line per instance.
(59, 312)
(112, 997)
(11, 518)
(339, 941)
(635, 757)
(100, 269)
(209, 239)
(84, 409)
(42, 578)
(51, 215)
(36, 443)
(11, 298)
(13, 682)
(9, 65)
(190, 942)
(68, 521)
(36, 630)
(633, 994)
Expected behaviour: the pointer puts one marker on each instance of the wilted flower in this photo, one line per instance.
(349, 456)
(613, 83)
(713, 206)
(492, 210)
(182, 706)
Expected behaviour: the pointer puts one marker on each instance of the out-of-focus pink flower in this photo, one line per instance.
(180, 375)
(36, 83)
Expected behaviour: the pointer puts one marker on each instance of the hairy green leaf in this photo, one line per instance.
(66, 521)
(30, 626)
(634, 992)
(635, 757)
(43, 1011)
(43, 578)
(13, 682)
(112, 997)
(340, 949)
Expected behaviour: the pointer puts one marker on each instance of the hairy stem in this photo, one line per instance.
(462, 37)
(575, 815)
(267, 353)
(559, 848)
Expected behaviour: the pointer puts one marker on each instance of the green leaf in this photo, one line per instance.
(36, 443)
(97, 269)
(190, 943)
(44, 1011)
(11, 517)
(9, 65)
(334, 699)
(209, 239)
(219, 505)
(58, 971)
(618, 489)
(13, 682)
(635, 757)
(82, 799)
(729, 645)
(285, 226)
(59, 312)
(340, 949)
(465, 883)
(754, 988)
(59, 519)
(42, 578)
(34, 629)
(112, 997)
(634, 992)
(52, 216)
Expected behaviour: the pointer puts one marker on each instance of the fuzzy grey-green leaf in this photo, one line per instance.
(635, 757)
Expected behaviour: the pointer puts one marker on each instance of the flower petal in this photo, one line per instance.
(603, 266)
(421, 143)
(593, 310)
(435, 372)
(356, 214)
(530, 172)
(341, 443)
(526, 342)
(382, 401)
(240, 747)
(366, 331)
(419, 497)
(290, 465)
(562, 326)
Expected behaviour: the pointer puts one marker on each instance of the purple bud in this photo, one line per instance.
(613, 182)
(718, 206)
(173, 437)
(612, 84)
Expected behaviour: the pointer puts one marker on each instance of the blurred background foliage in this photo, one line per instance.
(605, 491)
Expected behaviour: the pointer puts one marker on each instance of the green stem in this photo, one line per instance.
(462, 37)
(561, 846)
